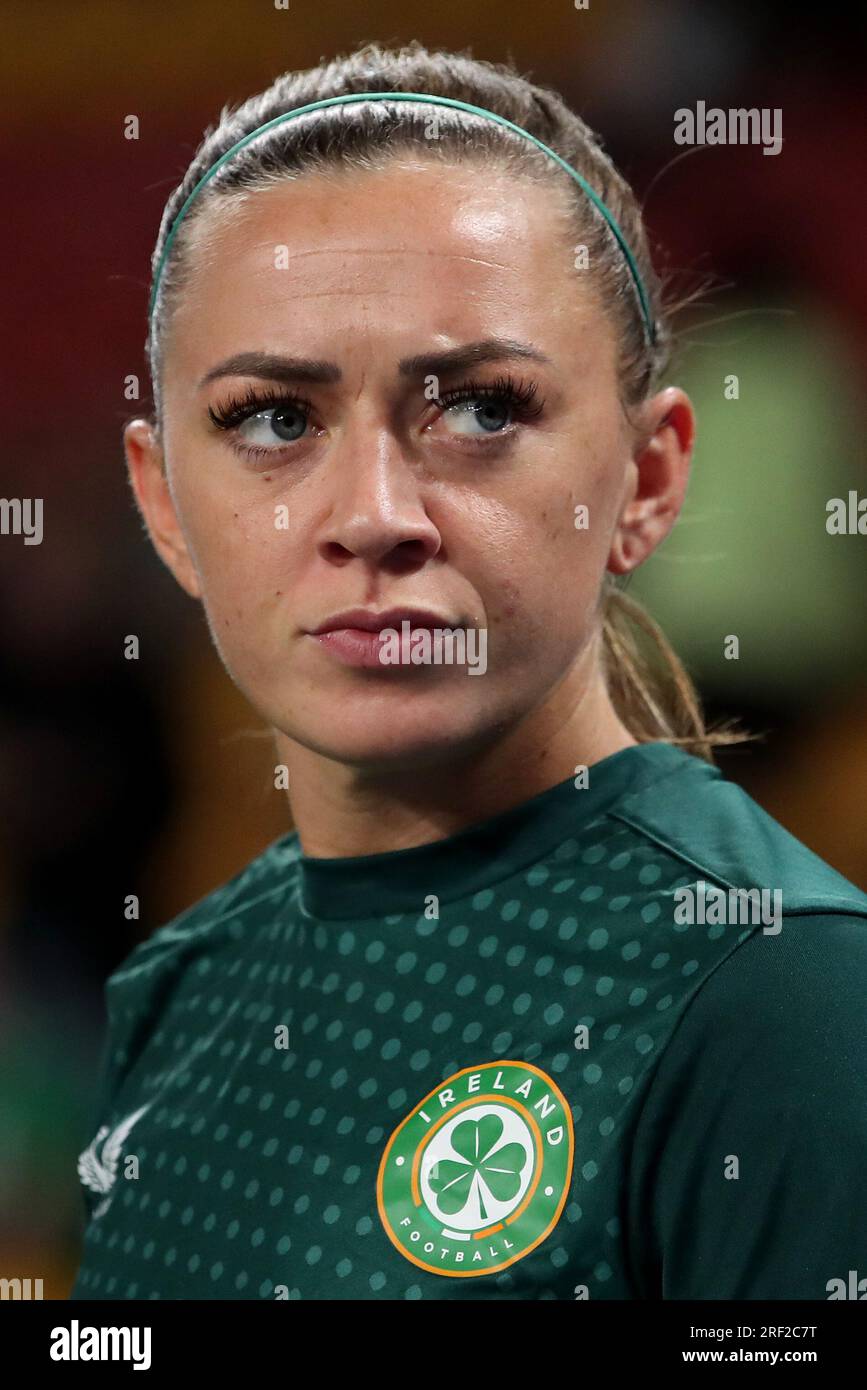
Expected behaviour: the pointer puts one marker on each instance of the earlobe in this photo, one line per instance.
(150, 485)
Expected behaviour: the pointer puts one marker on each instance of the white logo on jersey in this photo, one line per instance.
(99, 1173)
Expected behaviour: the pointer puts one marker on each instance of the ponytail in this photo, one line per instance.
(650, 688)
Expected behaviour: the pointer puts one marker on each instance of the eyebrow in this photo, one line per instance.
(271, 367)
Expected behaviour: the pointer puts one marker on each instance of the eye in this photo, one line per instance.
(489, 415)
(282, 424)
(487, 410)
(262, 423)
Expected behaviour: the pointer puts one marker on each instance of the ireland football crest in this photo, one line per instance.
(476, 1176)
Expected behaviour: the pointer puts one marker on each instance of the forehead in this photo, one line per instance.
(416, 248)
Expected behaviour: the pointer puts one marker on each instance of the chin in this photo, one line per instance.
(393, 740)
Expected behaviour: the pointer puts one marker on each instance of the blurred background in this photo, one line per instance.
(151, 777)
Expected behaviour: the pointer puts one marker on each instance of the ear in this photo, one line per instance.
(656, 479)
(147, 475)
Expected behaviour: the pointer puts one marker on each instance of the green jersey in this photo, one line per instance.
(608, 1044)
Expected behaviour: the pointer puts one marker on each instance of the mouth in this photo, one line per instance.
(354, 636)
(363, 620)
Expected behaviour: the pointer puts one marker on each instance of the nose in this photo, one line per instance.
(377, 511)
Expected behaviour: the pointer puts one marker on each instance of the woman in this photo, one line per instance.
(533, 1003)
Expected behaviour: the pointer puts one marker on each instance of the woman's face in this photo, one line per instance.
(356, 482)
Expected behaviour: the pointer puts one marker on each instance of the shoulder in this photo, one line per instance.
(751, 1142)
(267, 876)
(781, 937)
(751, 1136)
(225, 915)
(783, 1014)
(720, 834)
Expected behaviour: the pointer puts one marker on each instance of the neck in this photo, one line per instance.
(342, 811)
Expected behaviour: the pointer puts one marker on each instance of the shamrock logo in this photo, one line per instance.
(496, 1171)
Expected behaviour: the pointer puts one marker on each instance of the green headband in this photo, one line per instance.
(437, 101)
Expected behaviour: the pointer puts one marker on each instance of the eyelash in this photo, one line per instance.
(519, 396)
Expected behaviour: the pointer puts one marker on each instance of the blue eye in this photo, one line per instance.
(266, 421)
(493, 405)
(280, 422)
(263, 422)
(490, 415)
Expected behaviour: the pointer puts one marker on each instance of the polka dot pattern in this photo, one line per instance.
(258, 1162)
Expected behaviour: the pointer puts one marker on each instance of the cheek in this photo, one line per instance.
(541, 567)
(539, 582)
(239, 553)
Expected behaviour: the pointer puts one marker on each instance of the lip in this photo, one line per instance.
(363, 620)
(353, 637)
